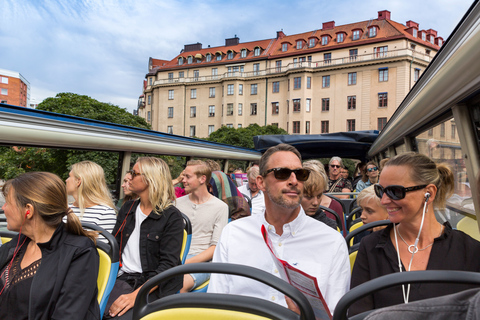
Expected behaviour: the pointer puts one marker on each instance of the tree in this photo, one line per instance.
(14, 161)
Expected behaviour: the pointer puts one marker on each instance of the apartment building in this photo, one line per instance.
(337, 78)
(14, 88)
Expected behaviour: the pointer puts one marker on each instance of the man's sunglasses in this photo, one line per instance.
(285, 173)
(334, 166)
(372, 169)
(134, 174)
(395, 192)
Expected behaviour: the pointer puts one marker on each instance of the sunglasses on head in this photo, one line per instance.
(285, 173)
(134, 174)
(334, 166)
(372, 169)
(395, 192)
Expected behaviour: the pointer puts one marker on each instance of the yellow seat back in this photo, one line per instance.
(103, 273)
(184, 245)
(470, 227)
(352, 257)
(355, 226)
(200, 314)
(5, 239)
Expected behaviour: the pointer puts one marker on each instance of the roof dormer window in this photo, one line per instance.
(256, 52)
(356, 35)
(440, 42)
(208, 57)
(299, 44)
(311, 42)
(432, 39)
(423, 36)
(189, 59)
(219, 56)
(414, 32)
(372, 32)
(324, 40)
(230, 55)
(243, 53)
(284, 47)
(340, 37)
(180, 61)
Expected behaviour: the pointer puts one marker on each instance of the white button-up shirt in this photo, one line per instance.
(258, 200)
(306, 244)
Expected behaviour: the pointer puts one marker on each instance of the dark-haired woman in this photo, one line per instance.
(49, 270)
(369, 176)
(410, 186)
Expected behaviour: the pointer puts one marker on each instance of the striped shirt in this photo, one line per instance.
(103, 216)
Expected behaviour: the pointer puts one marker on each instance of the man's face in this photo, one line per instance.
(252, 184)
(334, 168)
(283, 193)
(344, 173)
(190, 180)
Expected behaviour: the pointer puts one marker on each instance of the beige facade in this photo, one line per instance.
(353, 84)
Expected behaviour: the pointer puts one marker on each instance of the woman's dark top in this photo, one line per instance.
(161, 237)
(64, 285)
(15, 297)
(322, 217)
(453, 250)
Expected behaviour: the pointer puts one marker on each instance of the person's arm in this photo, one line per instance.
(178, 179)
(203, 256)
(79, 286)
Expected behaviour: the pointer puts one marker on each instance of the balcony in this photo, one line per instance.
(315, 65)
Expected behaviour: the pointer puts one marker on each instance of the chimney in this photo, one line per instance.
(328, 25)
(384, 15)
(411, 24)
(232, 41)
(192, 47)
(280, 34)
(433, 32)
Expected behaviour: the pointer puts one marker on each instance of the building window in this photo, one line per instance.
(180, 60)
(171, 94)
(288, 106)
(170, 76)
(193, 93)
(240, 109)
(239, 125)
(253, 88)
(325, 126)
(427, 52)
(195, 75)
(372, 32)
(325, 81)
(383, 100)
(170, 129)
(416, 74)
(353, 54)
(193, 112)
(299, 44)
(256, 69)
(295, 62)
(278, 66)
(149, 100)
(211, 111)
(296, 127)
(229, 125)
(170, 112)
(275, 124)
(442, 130)
(381, 123)
(275, 108)
(256, 51)
(311, 43)
(430, 132)
(192, 131)
(414, 32)
(230, 109)
(307, 127)
(214, 71)
(208, 57)
(212, 92)
(211, 128)
(5, 92)
(296, 105)
(230, 55)
(381, 52)
(454, 130)
(276, 86)
(230, 89)
(240, 89)
(440, 42)
(324, 40)
(284, 47)
(189, 59)
(309, 82)
(150, 80)
(327, 57)
(149, 116)
(181, 74)
(218, 56)
(325, 104)
(340, 37)
(308, 104)
(356, 34)
(253, 109)
(351, 102)
(423, 36)
(352, 78)
(297, 83)
(243, 53)
(351, 125)
(383, 74)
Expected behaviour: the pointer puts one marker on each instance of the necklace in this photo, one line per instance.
(412, 248)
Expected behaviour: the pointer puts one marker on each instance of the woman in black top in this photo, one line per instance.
(410, 186)
(49, 270)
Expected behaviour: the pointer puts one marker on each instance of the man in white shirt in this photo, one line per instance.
(207, 214)
(251, 190)
(305, 243)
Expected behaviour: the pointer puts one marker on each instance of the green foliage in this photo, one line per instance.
(14, 161)
(243, 137)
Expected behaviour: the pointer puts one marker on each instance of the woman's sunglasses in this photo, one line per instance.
(372, 169)
(285, 173)
(134, 174)
(395, 192)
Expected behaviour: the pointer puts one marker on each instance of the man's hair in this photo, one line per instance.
(317, 180)
(272, 150)
(201, 169)
(340, 162)
(213, 165)
(253, 172)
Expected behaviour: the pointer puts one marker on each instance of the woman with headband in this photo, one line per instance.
(49, 270)
(410, 187)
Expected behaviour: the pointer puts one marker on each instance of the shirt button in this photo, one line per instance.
(273, 298)
(156, 237)
(293, 232)
(275, 271)
(279, 244)
(269, 227)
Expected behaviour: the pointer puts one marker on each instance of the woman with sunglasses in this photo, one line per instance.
(410, 187)
(369, 176)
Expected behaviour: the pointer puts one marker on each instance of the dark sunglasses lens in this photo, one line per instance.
(378, 190)
(282, 174)
(302, 174)
(395, 192)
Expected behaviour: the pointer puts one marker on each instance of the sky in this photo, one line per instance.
(101, 48)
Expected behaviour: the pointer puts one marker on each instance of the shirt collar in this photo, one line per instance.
(292, 228)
